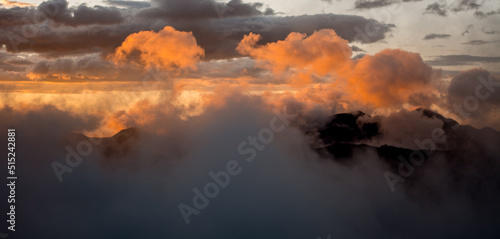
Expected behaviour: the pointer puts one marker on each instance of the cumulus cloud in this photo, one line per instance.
(474, 96)
(168, 48)
(322, 52)
(469, 82)
(387, 78)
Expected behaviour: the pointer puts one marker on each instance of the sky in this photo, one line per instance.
(88, 52)
(413, 22)
(322, 118)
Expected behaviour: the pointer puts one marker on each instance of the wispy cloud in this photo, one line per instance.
(478, 42)
(436, 36)
(453, 60)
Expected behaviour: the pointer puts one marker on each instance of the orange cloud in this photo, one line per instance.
(168, 48)
(389, 78)
(14, 4)
(319, 53)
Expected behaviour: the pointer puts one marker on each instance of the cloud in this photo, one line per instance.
(388, 78)
(478, 42)
(102, 29)
(451, 60)
(356, 49)
(321, 52)
(466, 83)
(464, 5)
(231, 30)
(168, 48)
(81, 15)
(287, 191)
(8, 3)
(129, 4)
(441, 8)
(437, 9)
(368, 4)
(13, 63)
(468, 29)
(402, 128)
(436, 36)
(474, 96)
(178, 10)
(88, 67)
(490, 32)
(481, 14)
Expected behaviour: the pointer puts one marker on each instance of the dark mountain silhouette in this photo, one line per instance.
(470, 157)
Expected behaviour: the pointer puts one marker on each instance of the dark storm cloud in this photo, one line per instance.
(81, 15)
(436, 36)
(451, 60)
(219, 37)
(129, 4)
(230, 31)
(217, 28)
(58, 41)
(208, 9)
(367, 4)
